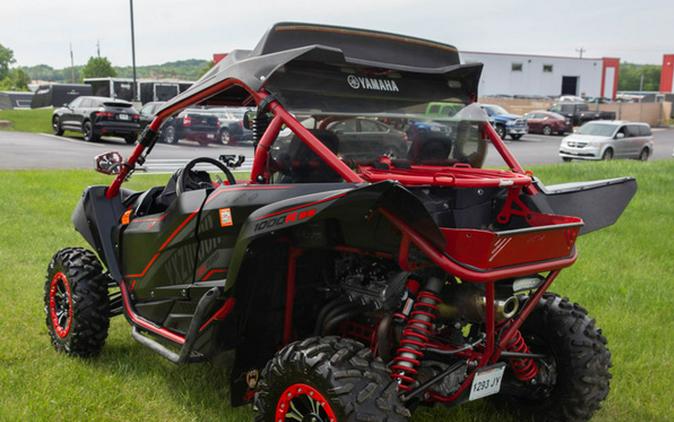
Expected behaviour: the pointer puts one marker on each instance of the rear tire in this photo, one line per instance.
(567, 159)
(577, 373)
(76, 302)
(644, 154)
(516, 137)
(547, 130)
(338, 373)
(56, 126)
(90, 134)
(608, 155)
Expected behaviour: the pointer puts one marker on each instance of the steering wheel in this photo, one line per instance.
(187, 172)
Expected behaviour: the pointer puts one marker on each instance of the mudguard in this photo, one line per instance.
(350, 204)
(599, 203)
(95, 217)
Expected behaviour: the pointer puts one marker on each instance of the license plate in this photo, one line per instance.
(210, 136)
(123, 116)
(487, 381)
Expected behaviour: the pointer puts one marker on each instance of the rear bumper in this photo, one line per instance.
(116, 128)
(199, 135)
(517, 130)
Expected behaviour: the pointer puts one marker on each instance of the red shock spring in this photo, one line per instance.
(414, 339)
(524, 369)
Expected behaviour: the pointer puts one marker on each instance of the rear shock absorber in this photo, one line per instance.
(259, 126)
(524, 369)
(416, 334)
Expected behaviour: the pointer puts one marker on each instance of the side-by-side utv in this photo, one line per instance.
(358, 273)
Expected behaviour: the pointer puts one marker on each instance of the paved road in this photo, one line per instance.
(31, 150)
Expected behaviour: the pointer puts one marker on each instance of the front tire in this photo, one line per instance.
(170, 135)
(573, 382)
(501, 131)
(76, 302)
(327, 379)
(644, 154)
(567, 159)
(607, 155)
(516, 137)
(225, 137)
(547, 130)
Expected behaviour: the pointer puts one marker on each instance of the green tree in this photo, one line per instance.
(6, 58)
(16, 80)
(98, 67)
(630, 77)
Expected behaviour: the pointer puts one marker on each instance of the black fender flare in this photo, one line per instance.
(341, 204)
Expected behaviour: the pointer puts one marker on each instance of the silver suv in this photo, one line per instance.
(605, 140)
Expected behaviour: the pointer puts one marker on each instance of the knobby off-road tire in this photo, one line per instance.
(339, 372)
(77, 287)
(581, 361)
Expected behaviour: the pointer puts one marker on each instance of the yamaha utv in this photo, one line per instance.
(352, 280)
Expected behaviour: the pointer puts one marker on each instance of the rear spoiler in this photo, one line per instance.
(599, 203)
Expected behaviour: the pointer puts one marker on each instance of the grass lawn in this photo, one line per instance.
(624, 276)
(38, 120)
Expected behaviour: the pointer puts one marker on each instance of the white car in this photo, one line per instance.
(608, 139)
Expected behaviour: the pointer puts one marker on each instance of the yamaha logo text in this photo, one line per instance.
(361, 82)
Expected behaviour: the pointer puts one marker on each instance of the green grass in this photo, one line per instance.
(624, 276)
(38, 120)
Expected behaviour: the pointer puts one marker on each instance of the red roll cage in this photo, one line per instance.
(516, 180)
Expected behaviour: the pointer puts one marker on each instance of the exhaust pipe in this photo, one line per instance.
(468, 302)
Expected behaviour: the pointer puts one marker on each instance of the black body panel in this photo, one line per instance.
(599, 203)
(96, 218)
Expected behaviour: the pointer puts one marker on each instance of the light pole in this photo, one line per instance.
(133, 52)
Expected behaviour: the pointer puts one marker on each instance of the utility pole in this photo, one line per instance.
(580, 51)
(72, 64)
(133, 52)
(98, 48)
(641, 82)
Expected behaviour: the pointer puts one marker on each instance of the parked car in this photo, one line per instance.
(605, 140)
(96, 117)
(547, 123)
(580, 113)
(192, 124)
(232, 130)
(505, 123)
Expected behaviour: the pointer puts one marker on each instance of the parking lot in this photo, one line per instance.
(34, 150)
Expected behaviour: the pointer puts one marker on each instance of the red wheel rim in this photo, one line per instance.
(60, 304)
(302, 402)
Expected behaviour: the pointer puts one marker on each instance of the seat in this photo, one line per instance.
(430, 149)
(305, 166)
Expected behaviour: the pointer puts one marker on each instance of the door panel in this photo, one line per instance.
(158, 254)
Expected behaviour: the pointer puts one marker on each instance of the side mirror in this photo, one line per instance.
(109, 162)
(619, 135)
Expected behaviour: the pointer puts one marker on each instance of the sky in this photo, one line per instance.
(40, 31)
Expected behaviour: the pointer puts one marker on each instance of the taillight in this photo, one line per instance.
(187, 121)
(104, 114)
(135, 116)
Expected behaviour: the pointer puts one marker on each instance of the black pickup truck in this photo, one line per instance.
(580, 113)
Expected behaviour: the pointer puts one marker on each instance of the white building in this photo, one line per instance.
(531, 75)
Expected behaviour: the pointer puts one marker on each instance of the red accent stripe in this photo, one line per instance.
(221, 313)
(147, 267)
(178, 229)
(301, 206)
(230, 189)
(213, 271)
(143, 323)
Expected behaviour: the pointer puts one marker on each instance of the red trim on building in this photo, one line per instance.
(667, 74)
(219, 56)
(610, 62)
